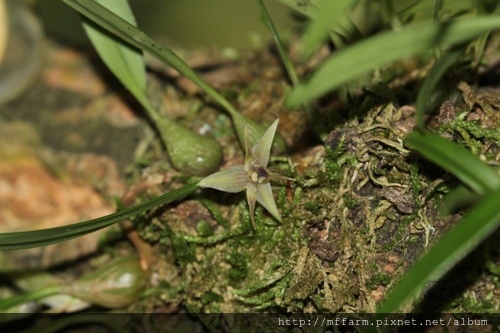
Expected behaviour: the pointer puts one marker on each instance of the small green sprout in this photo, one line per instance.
(253, 176)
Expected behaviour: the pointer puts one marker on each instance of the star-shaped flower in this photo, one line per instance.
(253, 176)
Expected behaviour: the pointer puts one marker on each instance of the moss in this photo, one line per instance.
(184, 251)
(239, 270)
(215, 211)
(313, 207)
(377, 280)
(211, 297)
(333, 163)
(204, 229)
(349, 201)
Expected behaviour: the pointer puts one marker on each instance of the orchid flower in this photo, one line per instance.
(253, 176)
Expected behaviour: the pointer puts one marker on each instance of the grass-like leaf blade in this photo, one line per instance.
(187, 150)
(451, 248)
(460, 162)
(28, 239)
(382, 49)
(126, 62)
(135, 37)
(279, 44)
(319, 28)
(461, 196)
(430, 83)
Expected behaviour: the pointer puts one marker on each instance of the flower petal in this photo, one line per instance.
(248, 149)
(233, 179)
(262, 149)
(251, 197)
(265, 198)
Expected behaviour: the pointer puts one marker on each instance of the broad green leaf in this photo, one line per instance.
(425, 94)
(450, 249)
(137, 38)
(382, 49)
(28, 239)
(460, 162)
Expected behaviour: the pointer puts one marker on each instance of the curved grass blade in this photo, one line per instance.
(135, 37)
(461, 196)
(125, 61)
(380, 50)
(3, 31)
(129, 33)
(430, 83)
(460, 162)
(305, 7)
(427, 8)
(450, 249)
(28, 239)
(9, 304)
(281, 49)
(437, 8)
(319, 28)
(187, 150)
(292, 74)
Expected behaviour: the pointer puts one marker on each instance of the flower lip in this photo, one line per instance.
(259, 175)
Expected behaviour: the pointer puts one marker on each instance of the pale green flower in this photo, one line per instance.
(253, 176)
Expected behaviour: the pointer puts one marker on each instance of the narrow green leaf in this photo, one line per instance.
(342, 27)
(458, 197)
(380, 50)
(427, 8)
(426, 91)
(125, 61)
(10, 304)
(319, 28)
(281, 49)
(305, 7)
(437, 9)
(28, 239)
(188, 151)
(460, 162)
(135, 37)
(450, 249)
(256, 131)
(255, 134)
